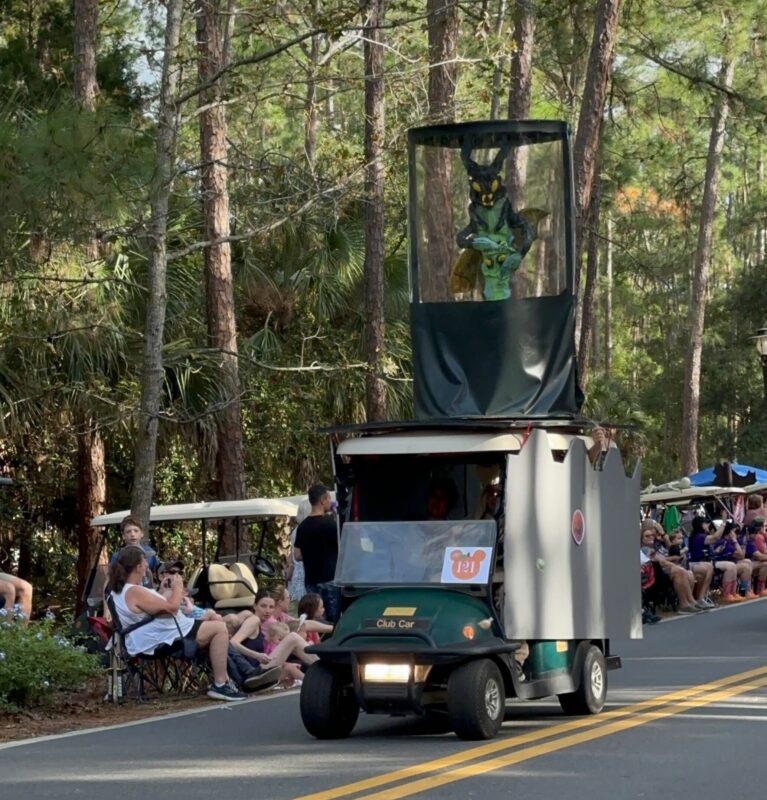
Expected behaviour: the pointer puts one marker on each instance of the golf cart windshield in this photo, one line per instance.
(391, 553)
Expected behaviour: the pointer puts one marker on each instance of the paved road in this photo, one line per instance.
(705, 741)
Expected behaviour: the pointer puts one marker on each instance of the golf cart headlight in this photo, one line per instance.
(386, 673)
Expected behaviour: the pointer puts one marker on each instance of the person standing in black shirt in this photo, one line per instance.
(317, 547)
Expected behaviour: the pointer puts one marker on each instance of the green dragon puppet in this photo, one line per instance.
(496, 238)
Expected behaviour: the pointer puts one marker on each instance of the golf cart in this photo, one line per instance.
(493, 525)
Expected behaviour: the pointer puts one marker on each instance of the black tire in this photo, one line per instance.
(590, 696)
(476, 699)
(329, 708)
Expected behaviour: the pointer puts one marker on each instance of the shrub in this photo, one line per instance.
(36, 663)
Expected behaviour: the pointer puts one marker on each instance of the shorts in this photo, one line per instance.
(193, 630)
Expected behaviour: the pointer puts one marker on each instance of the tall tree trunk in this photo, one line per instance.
(219, 288)
(521, 84)
(154, 326)
(91, 470)
(697, 312)
(520, 95)
(374, 11)
(495, 100)
(442, 27)
(91, 499)
(86, 31)
(590, 287)
(761, 229)
(588, 135)
(310, 107)
(609, 299)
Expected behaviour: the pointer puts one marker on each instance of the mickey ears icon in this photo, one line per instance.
(457, 555)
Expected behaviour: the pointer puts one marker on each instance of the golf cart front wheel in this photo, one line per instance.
(476, 699)
(329, 709)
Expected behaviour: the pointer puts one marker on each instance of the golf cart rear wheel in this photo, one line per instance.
(476, 699)
(589, 697)
(329, 708)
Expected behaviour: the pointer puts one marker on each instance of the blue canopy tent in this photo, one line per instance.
(742, 475)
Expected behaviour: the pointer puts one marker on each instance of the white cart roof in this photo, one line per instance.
(225, 509)
(683, 496)
(422, 443)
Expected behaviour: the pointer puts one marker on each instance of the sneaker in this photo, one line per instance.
(751, 596)
(519, 672)
(732, 598)
(688, 610)
(261, 679)
(702, 605)
(225, 692)
(709, 602)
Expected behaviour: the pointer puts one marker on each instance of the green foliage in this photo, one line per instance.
(36, 663)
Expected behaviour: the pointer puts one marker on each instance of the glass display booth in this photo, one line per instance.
(491, 268)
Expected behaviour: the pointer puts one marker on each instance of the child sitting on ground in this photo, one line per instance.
(311, 610)
(292, 674)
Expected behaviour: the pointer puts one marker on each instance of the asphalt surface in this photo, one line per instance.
(703, 742)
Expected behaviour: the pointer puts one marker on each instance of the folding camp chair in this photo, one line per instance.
(166, 670)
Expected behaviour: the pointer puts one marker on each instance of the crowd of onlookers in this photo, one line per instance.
(689, 560)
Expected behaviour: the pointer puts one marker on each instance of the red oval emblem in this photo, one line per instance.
(578, 527)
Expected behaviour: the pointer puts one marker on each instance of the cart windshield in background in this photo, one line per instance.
(434, 552)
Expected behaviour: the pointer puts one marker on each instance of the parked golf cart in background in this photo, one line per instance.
(716, 502)
(437, 598)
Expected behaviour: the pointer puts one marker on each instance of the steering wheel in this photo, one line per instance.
(262, 566)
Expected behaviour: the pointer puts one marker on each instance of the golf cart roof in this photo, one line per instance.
(224, 509)
(684, 496)
(755, 487)
(423, 442)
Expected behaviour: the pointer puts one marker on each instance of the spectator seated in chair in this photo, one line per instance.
(681, 579)
(756, 552)
(728, 554)
(151, 620)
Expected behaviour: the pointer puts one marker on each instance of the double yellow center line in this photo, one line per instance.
(494, 755)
